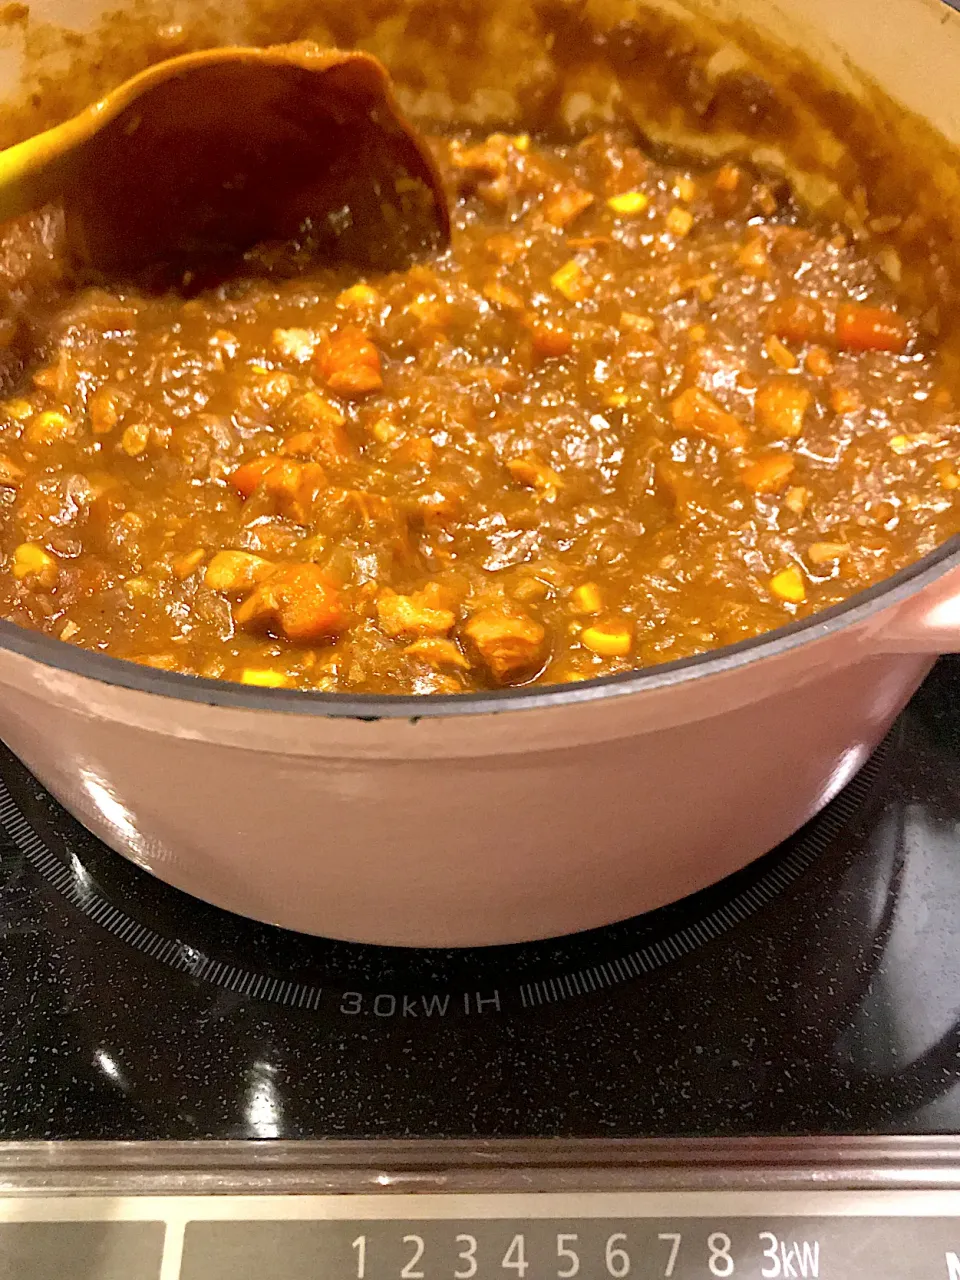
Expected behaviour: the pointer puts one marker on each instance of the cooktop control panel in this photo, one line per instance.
(676, 1236)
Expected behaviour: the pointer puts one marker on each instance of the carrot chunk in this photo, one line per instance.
(769, 474)
(551, 340)
(246, 477)
(300, 600)
(870, 329)
(350, 363)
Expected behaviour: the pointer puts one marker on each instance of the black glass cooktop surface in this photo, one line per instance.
(816, 992)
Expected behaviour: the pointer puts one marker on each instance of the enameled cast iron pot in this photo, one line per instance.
(494, 818)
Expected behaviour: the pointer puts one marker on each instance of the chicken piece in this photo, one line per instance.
(312, 410)
(292, 486)
(236, 572)
(10, 473)
(565, 205)
(183, 566)
(419, 614)
(439, 506)
(511, 646)
(299, 600)
(503, 296)
(320, 433)
(799, 318)
(781, 404)
(328, 444)
(535, 474)
(294, 344)
(694, 410)
(486, 169)
(437, 652)
(105, 409)
(685, 490)
(359, 297)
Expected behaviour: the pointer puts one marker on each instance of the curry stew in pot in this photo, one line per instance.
(637, 411)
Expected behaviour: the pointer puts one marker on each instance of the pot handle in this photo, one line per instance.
(928, 622)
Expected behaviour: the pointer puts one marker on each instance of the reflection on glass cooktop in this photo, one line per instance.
(817, 991)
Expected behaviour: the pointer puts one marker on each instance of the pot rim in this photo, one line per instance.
(124, 674)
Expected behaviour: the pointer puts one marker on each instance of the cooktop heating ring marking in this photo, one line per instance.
(61, 872)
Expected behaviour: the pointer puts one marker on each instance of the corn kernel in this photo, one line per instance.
(19, 410)
(135, 587)
(264, 678)
(184, 565)
(789, 585)
(844, 400)
(900, 444)
(637, 324)
(359, 296)
(679, 221)
(628, 203)
(610, 640)
(49, 427)
(753, 257)
(29, 560)
(617, 400)
(135, 439)
(796, 499)
(383, 430)
(587, 598)
(779, 353)
(697, 333)
(571, 280)
(819, 363)
(686, 189)
(521, 141)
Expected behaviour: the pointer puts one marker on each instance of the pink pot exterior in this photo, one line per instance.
(532, 821)
(473, 829)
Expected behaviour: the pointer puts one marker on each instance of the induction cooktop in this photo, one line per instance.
(817, 992)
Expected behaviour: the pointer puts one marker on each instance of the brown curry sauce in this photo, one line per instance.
(637, 411)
